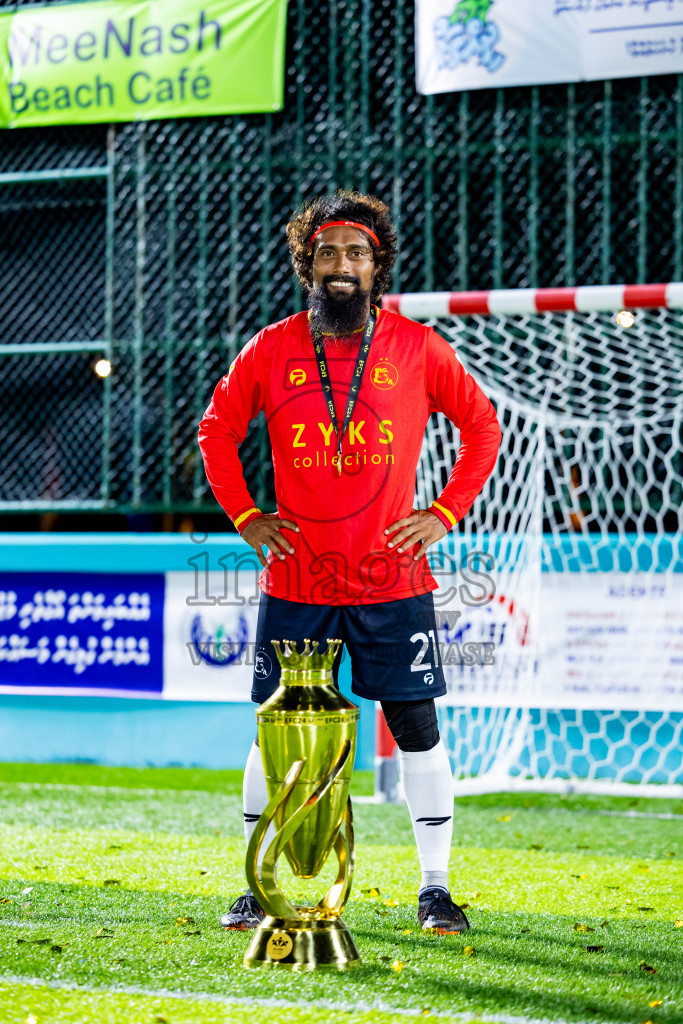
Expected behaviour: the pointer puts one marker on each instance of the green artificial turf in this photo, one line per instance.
(112, 882)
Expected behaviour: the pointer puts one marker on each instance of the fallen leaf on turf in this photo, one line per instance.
(535, 846)
(407, 931)
(656, 1002)
(504, 817)
(160, 1020)
(192, 933)
(391, 903)
(374, 891)
(595, 949)
(112, 881)
(469, 951)
(647, 910)
(55, 948)
(5, 901)
(463, 906)
(40, 942)
(678, 924)
(397, 965)
(525, 931)
(646, 967)
(104, 933)
(204, 871)
(583, 928)
(605, 923)
(184, 920)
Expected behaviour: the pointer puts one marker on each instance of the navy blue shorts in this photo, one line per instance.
(393, 645)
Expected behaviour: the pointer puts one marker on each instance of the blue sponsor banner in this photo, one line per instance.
(82, 632)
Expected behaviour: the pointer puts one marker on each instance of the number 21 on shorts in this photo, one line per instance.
(419, 664)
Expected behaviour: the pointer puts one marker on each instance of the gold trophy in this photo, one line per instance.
(307, 735)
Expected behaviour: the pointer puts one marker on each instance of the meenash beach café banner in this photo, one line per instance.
(481, 44)
(134, 60)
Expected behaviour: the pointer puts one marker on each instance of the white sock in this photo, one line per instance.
(255, 798)
(428, 786)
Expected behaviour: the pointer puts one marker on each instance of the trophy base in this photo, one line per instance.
(302, 945)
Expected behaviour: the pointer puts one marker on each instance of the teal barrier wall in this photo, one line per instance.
(116, 730)
(129, 731)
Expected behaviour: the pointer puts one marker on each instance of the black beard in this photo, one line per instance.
(339, 315)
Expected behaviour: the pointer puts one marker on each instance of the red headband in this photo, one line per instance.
(346, 224)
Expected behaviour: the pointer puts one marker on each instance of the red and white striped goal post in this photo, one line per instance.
(607, 298)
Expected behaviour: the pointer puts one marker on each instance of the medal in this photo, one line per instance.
(356, 380)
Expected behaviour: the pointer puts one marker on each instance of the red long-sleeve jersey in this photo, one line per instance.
(341, 554)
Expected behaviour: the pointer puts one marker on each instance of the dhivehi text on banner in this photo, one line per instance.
(80, 633)
(132, 60)
(481, 44)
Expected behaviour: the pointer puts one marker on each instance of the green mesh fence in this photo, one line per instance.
(161, 246)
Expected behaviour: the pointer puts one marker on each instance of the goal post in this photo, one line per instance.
(560, 606)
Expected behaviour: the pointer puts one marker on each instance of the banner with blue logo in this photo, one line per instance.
(210, 627)
(481, 44)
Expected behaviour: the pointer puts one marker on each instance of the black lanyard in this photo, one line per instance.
(356, 380)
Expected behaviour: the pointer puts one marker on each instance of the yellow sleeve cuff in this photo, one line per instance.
(245, 515)
(449, 515)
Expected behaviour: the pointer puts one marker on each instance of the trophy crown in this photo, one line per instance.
(308, 660)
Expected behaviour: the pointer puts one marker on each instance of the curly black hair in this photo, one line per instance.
(343, 205)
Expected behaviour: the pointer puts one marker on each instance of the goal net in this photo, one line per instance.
(560, 608)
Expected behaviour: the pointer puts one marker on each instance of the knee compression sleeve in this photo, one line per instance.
(413, 724)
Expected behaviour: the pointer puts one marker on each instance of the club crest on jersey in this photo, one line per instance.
(297, 377)
(384, 375)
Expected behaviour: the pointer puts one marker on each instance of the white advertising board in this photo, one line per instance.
(601, 640)
(482, 44)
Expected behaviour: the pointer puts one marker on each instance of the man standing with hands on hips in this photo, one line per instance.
(347, 389)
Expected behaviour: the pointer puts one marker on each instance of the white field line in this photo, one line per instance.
(662, 816)
(654, 815)
(285, 1004)
(123, 790)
